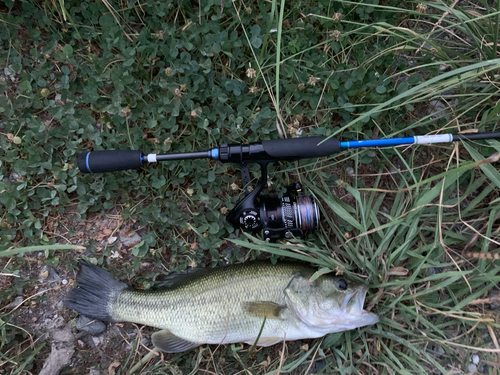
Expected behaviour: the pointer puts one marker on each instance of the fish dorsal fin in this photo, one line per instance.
(170, 343)
(266, 341)
(175, 279)
(264, 309)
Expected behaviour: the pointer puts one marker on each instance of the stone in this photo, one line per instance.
(93, 327)
(49, 274)
(62, 347)
(130, 241)
(484, 369)
(16, 303)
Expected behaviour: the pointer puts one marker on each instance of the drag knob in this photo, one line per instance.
(250, 220)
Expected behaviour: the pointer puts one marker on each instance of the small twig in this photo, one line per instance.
(312, 360)
(493, 336)
(441, 196)
(146, 358)
(452, 315)
(399, 171)
(33, 296)
(482, 301)
(208, 371)
(475, 255)
(282, 354)
(475, 237)
(323, 91)
(438, 23)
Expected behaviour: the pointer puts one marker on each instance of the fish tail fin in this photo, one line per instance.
(95, 292)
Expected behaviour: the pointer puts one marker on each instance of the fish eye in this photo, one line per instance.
(341, 284)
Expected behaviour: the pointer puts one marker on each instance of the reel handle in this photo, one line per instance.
(109, 160)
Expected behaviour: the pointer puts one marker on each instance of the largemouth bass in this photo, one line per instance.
(228, 304)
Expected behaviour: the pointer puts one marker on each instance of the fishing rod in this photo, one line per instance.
(293, 214)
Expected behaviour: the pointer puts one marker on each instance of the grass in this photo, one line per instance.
(417, 224)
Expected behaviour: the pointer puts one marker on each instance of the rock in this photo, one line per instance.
(319, 365)
(434, 270)
(93, 327)
(16, 303)
(62, 347)
(49, 274)
(484, 368)
(97, 340)
(495, 300)
(349, 171)
(115, 254)
(449, 94)
(438, 109)
(439, 349)
(130, 241)
(132, 335)
(9, 72)
(60, 305)
(14, 176)
(475, 359)
(472, 367)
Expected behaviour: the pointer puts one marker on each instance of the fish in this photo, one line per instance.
(230, 304)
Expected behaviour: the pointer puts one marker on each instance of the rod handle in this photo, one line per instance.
(109, 160)
(298, 148)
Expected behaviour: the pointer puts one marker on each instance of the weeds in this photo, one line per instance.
(172, 77)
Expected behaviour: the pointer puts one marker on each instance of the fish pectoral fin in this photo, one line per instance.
(170, 343)
(266, 341)
(264, 309)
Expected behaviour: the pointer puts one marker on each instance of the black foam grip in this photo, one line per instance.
(298, 148)
(109, 161)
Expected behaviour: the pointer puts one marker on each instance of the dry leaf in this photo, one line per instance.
(397, 271)
(112, 366)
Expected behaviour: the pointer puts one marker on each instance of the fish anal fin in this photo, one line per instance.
(264, 309)
(266, 341)
(170, 343)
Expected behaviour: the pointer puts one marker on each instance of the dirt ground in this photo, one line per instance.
(40, 314)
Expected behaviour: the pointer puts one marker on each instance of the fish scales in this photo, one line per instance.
(209, 306)
(228, 304)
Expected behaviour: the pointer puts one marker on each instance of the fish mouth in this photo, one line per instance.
(349, 315)
(356, 305)
(347, 299)
(357, 309)
(360, 302)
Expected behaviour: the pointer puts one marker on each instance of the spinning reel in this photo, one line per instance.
(288, 216)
